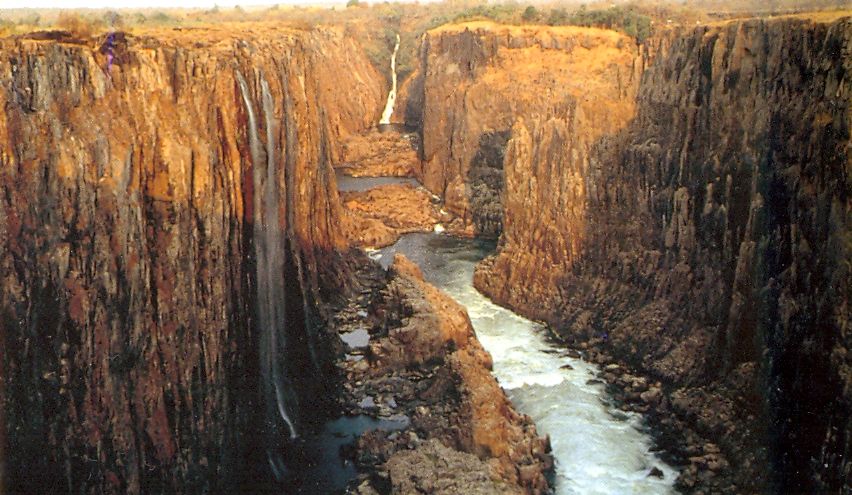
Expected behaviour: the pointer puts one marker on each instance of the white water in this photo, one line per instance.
(386, 115)
(598, 449)
(268, 245)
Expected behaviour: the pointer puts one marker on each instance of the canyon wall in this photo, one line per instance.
(149, 185)
(687, 210)
(481, 78)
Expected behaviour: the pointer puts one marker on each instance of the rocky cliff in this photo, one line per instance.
(150, 185)
(425, 354)
(686, 210)
(481, 78)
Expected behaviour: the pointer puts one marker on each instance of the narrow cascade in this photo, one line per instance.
(386, 115)
(269, 247)
(598, 449)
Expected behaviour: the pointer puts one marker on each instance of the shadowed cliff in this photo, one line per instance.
(141, 178)
(680, 205)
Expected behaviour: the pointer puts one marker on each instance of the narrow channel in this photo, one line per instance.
(598, 448)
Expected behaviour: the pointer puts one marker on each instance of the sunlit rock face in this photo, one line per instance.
(481, 79)
(691, 217)
(138, 195)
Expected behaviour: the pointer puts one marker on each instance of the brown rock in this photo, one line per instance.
(380, 154)
(383, 213)
(435, 468)
(648, 198)
(130, 192)
(404, 266)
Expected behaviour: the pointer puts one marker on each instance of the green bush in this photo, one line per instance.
(558, 17)
(162, 18)
(530, 14)
(503, 13)
(624, 19)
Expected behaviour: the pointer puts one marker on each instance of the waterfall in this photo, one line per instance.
(386, 115)
(270, 249)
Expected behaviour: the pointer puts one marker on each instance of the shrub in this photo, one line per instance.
(504, 13)
(626, 20)
(530, 14)
(75, 24)
(161, 18)
(557, 17)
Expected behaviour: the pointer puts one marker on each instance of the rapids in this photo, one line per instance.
(598, 448)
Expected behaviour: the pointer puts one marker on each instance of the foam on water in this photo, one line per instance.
(598, 449)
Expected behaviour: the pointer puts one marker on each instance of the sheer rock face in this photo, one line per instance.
(700, 233)
(481, 78)
(132, 173)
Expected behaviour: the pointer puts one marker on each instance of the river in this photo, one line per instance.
(598, 448)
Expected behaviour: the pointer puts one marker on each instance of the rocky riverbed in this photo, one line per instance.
(412, 358)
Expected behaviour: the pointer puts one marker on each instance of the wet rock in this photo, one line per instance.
(366, 488)
(652, 396)
(430, 365)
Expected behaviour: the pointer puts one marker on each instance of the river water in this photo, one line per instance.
(347, 183)
(598, 448)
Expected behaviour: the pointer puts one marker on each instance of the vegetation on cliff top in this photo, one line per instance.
(376, 24)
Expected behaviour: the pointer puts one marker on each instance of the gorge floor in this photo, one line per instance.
(597, 447)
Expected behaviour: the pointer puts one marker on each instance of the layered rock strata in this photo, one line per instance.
(153, 187)
(380, 154)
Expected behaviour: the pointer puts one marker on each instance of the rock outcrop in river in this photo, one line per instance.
(682, 205)
(425, 357)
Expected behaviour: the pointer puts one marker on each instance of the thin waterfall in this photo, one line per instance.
(270, 249)
(386, 115)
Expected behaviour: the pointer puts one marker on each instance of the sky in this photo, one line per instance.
(117, 4)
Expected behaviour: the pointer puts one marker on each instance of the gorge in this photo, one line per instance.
(218, 275)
